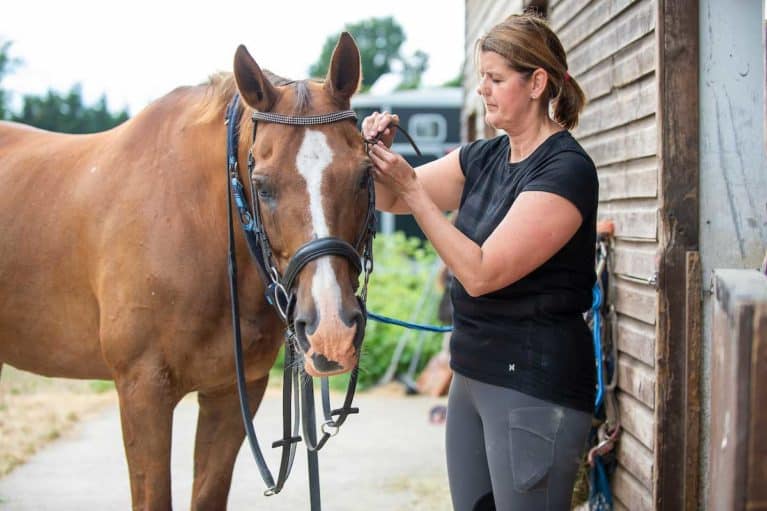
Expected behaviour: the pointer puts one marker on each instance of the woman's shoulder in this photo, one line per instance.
(567, 147)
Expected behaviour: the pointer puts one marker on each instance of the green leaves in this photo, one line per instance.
(68, 113)
(404, 286)
(379, 41)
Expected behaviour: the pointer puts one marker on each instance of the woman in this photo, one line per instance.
(522, 253)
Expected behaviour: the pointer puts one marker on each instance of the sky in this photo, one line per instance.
(136, 51)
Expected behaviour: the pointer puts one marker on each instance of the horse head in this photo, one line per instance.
(311, 184)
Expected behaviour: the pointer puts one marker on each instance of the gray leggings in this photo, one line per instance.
(508, 451)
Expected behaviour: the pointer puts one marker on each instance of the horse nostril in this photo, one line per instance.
(303, 341)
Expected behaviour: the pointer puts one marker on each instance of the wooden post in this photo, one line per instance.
(677, 349)
(756, 489)
(738, 448)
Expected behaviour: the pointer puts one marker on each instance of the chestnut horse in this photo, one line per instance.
(113, 258)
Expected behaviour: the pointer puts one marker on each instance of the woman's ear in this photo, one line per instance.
(539, 80)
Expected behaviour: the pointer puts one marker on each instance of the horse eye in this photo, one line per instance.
(264, 187)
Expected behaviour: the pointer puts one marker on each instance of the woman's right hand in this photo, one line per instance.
(380, 126)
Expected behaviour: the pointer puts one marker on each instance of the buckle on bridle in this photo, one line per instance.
(330, 428)
(277, 295)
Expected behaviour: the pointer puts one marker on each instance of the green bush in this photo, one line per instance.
(403, 286)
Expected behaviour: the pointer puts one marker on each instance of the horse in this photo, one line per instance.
(113, 257)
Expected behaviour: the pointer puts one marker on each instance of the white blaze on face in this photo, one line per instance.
(313, 158)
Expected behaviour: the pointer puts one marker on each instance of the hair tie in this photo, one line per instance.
(567, 76)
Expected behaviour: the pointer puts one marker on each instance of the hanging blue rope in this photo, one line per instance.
(600, 495)
(596, 331)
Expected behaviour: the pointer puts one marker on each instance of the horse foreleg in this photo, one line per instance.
(146, 412)
(220, 433)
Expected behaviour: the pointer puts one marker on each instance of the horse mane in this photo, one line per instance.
(221, 87)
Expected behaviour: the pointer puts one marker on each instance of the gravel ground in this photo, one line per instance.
(389, 458)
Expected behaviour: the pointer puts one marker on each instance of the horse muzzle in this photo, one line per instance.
(330, 342)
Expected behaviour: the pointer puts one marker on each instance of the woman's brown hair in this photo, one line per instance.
(527, 43)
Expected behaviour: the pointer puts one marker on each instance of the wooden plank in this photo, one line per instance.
(637, 419)
(482, 15)
(738, 383)
(618, 506)
(590, 19)
(637, 224)
(756, 489)
(624, 143)
(622, 106)
(636, 459)
(636, 219)
(629, 180)
(678, 136)
(629, 492)
(635, 300)
(637, 339)
(561, 13)
(627, 65)
(693, 336)
(630, 26)
(731, 352)
(636, 379)
(635, 259)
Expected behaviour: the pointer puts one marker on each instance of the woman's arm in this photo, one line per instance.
(535, 228)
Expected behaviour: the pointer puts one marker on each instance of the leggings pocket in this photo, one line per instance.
(532, 437)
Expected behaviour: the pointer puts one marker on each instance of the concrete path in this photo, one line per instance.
(387, 458)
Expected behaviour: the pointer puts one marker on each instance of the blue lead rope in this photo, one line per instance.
(406, 324)
(596, 330)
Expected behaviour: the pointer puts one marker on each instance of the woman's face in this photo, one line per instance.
(505, 92)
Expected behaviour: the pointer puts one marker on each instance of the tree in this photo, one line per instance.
(53, 111)
(379, 41)
(68, 113)
(412, 71)
(7, 63)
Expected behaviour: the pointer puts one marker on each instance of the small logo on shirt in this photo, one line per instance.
(512, 368)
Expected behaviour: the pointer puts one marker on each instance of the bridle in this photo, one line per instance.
(280, 293)
(280, 288)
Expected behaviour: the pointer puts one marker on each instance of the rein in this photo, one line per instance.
(280, 294)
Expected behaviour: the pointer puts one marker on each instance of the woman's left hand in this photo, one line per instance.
(393, 171)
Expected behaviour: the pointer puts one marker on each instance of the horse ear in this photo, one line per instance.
(344, 73)
(255, 88)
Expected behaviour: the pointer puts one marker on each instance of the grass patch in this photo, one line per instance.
(101, 386)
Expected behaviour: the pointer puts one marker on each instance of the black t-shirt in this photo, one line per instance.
(530, 335)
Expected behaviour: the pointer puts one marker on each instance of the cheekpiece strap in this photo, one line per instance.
(304, 120)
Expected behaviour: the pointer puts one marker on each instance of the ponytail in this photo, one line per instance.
(568, 104)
